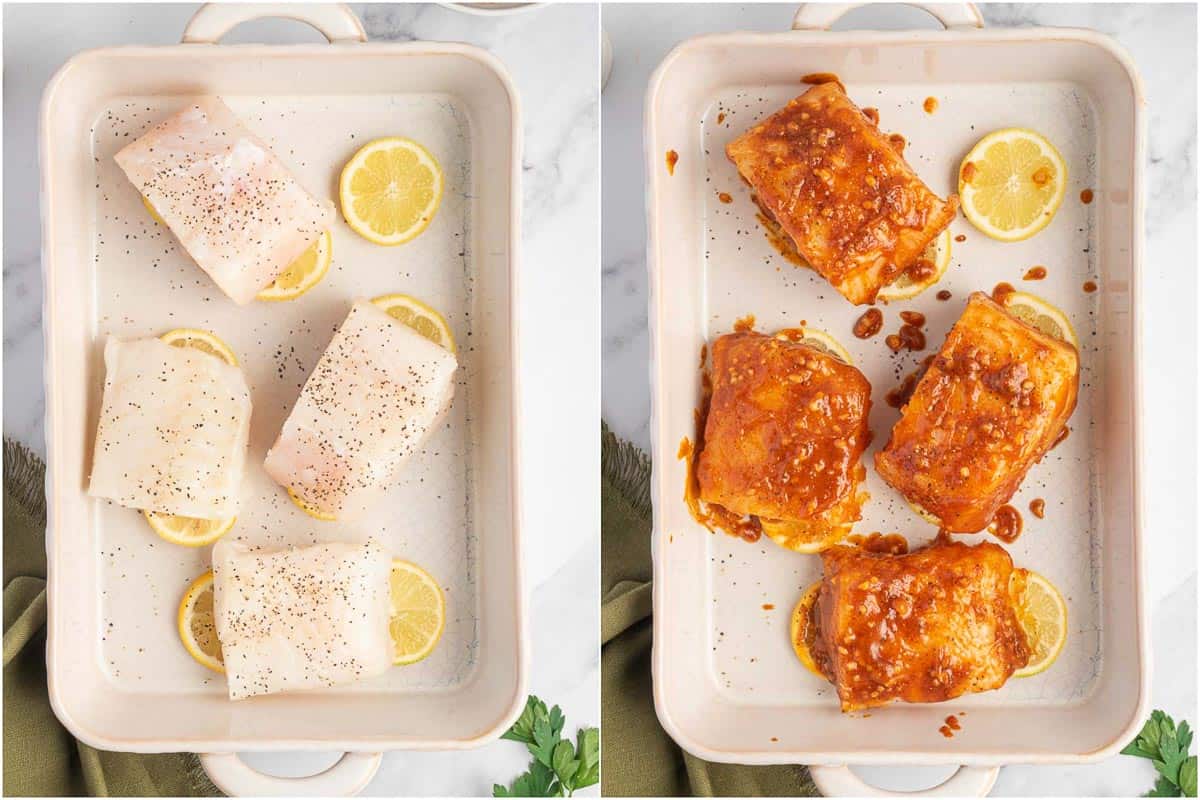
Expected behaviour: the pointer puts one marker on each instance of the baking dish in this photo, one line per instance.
(118, 677)
(727, 686)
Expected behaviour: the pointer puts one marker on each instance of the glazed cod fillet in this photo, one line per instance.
(174, 424)
(786, 429)
(372, 400)
(924, 627)
(991, 404)
(856, 211)
(238, 212)
(303, 618)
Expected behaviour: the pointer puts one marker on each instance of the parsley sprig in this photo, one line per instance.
(1167, 747)
(559, 767)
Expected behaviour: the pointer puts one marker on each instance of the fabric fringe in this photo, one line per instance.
(25, 478)
(627, 468)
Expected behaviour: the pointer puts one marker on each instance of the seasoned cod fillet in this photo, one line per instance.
(991, 404)
(174, 424)
(234, 207)
(784, 438)
(370, 403)
(856, 211)
(923, 627)
(304, 618)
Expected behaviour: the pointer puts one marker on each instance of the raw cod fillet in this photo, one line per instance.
(302, 618)
(174, 425)
(376, 393)
(235, 208)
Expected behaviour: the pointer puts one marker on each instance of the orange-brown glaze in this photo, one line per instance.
(968, 172)
(672, 160)
(1002, 290)
(713, 517)
(990, 406)
(1035, 273)
(890, 543)
(869, 324)
(930, 105)
(744, 324)
(946, 731)
(1062, 437)
(944, 295)
(768, 606)
(724, 197)
(921, 270)
(920, 628)
(871, 114)
(836, 186)
(786, 429)
(914, 318)
(1007, 524)
(703, 355)
(1086, 196)
(898, 143)
(910, 337)
(952, 723)
(962, 237)
(720, 117)
(1037, 507)
(1089, 286)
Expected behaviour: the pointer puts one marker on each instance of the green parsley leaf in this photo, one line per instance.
(565, 764)
(1163, 788)
(522, 729)
(587, 749)
(1187, 777)
(558, 766)
(1166, 746)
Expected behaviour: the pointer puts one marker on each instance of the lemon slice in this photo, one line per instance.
(188, 531)
(904, 287)
(153, 211)
(1033, 310)
(803, 536)
(802, 631)
(418, 612)
(923, 514)
(1012, 183)
(1042, 613)
(420, 317)
(201, 340)
(818, 340)
(197, 623)
(307, 509)
(302, 274)
(390, 190)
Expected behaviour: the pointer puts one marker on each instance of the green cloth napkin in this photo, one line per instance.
(640, 759)
(40, 757)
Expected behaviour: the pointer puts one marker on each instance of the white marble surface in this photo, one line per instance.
(1162, 41)
(552, 53)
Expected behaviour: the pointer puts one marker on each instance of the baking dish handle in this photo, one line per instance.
(346, 778)
(840, 781)
(821, 16)
(335, 21)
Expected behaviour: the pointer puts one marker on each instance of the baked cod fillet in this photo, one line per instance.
(239, 213)
(786, 429)
(991, 404)
(303, 618)
(923, 627)
(824, 172)
(372, 400)
(174, 424)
